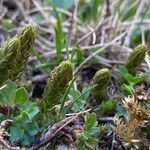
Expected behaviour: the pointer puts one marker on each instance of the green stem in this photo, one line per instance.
(69, 107)
(65, 95)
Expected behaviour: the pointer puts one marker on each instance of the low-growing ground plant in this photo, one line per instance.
(65, 112)
(15, 106)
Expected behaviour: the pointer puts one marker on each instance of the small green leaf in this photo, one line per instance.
(108, 106)
(7, 23)
(3, 100)
(27, 139)
(9, 90)
(31, 108)
(23, 118)
(10, 84)
(74, 94)
(16, 133)
(2, 117)
(90, 121)
(21, 96)
(80, 56)
(87, 138)
(134, 80)
(33, 111)
(91, 141)
(84, 90)
(127, 89)
(122, 70)
(32, 128)
(121, 112)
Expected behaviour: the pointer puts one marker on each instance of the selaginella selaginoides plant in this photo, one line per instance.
(14, 53)
(135, 59)
(9, 53)
(56, 85)
(26, 36)
(101, 81)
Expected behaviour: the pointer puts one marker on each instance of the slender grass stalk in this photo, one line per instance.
(76, 100)
(59, 35)
(65, 95)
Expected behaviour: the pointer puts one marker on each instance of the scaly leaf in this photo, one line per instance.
(21, 96)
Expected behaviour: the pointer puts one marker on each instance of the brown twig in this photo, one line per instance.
(8, 112)
(98, 51)
(72, 22)
(52, 131)
(3, 144)
(101, 23)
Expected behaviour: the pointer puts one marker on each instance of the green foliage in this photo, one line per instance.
(122, 70)
(75, 101)
(121, 112)
(136, 37)
(132, 80)
(57, 84)
(122, 12)
(21, 95)
(26, 115)
(135, 59)
(129, 80)
(56, 92)
(79, 55)
(90, 10)
(127, 89)
(135, 80)
(9, 53)
(26, 36)
(64, 98)
(104, 129)
(8, 92)
(17, 107)
(101, 81)
(7, 23)
(59, 35)
(108, 107)
(74, 94)
(129, 14)
(14, 54)
(87, 139)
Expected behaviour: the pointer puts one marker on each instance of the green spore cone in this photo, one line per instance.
(9, 54)
(100, 82)
(135, 59)
(57, 84)
(26, 36)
